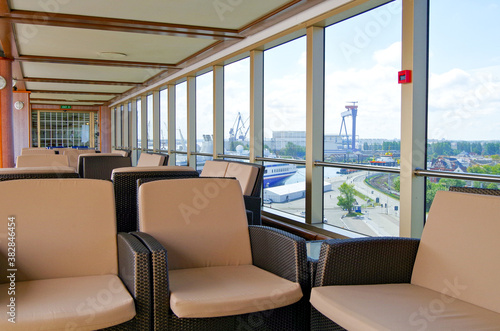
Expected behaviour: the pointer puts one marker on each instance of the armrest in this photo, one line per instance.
(253, 204)
(159, 267)
(281, 253)
(134, 271)
(363, 261)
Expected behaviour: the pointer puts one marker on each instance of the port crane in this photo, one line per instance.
(239, 130)
(352, 110)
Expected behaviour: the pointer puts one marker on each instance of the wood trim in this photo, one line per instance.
(116, 24)
(95, 62)
(77, 81)
(56, 108)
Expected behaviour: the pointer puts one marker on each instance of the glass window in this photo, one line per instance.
(285, 125)
(204, 117)
(181, 123)
(124, 127)
(164, 120)
(365, 202)
(363, 120)
(63, 129)
(463, 94)
(118, 126)
(237, 107)
(149, 127)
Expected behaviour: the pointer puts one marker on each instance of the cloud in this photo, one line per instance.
(391, 56)
(463, 104)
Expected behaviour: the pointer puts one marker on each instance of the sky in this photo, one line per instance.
(362, 58)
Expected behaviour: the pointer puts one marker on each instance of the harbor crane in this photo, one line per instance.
(352, 110)
(238, 131)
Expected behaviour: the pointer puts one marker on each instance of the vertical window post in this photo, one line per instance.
(218, 110)
(156, 121)
(191, 119)
(256, 104)
(133, 120)
(413, 117)
(171, 124)
(315, 100)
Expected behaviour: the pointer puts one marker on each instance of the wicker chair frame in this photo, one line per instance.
(273, 250)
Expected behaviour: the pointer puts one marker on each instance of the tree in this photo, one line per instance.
(430, 193)
(397, 184)
(294, 151)
(448, 182)
(346, 198)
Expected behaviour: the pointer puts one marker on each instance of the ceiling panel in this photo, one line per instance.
(233, 14)
(87, 72)
(76, 87)
(65, 103)
(88, 44)
(70, 96)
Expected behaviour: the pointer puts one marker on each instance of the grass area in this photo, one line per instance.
(367, 182)
(360, 195)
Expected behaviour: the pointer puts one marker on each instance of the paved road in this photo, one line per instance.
(377, 221)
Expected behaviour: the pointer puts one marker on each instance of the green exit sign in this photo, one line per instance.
(65, 107)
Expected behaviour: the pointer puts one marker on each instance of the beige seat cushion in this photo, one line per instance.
(76, 303)
(36, 170)
(214, 169)
(150, 160)
(399, 307)
(154, 168)
(42, 160)
(233, 290)
(245, 174)
(201, 221)
(460, 245)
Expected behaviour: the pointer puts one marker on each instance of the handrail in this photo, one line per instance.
(228, 156)
(201, 154)
(457, 175)
(289, 161)
(357, 167)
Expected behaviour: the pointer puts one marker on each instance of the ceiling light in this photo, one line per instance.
(112, 55)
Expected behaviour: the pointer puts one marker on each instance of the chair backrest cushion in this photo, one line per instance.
(201, 221)
(63, 227)
(37, 151)
(73, 155)
(42, 160)
(459, 253)
(214, 169)
(121, 152)
(246, 174)
(150, 160)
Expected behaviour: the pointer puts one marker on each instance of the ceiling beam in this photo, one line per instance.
(116, 24)
(77, 81)
(74, 92)
(94, 62)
